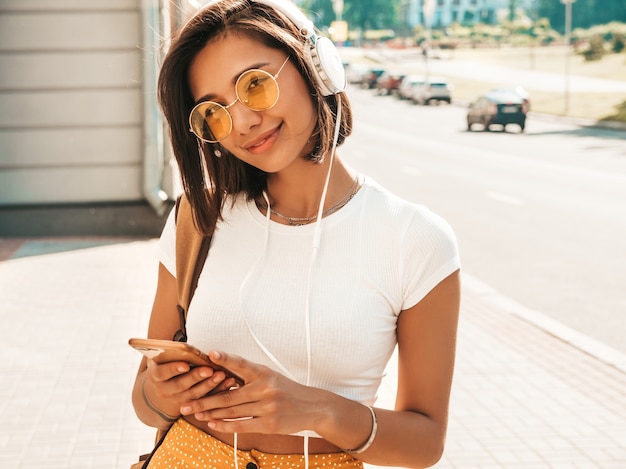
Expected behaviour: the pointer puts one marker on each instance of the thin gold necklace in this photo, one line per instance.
(299, 221)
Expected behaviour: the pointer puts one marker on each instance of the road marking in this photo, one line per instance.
(411, 171)
(507, 199)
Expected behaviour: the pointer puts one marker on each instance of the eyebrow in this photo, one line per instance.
(211, 96)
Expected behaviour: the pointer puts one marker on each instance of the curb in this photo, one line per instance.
(586, 344)
(581, 121)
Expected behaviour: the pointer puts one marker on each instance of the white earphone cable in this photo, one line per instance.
(307, 316)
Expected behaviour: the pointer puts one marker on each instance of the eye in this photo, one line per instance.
(211, 110)
(255, 82)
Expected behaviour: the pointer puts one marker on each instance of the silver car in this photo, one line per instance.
(433, 90)
(407, 87)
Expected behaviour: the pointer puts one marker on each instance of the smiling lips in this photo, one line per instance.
(264, 142)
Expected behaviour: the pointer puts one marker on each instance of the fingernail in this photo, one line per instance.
(217, 355)
(186, 409)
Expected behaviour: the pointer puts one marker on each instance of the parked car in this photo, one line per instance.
(519, 90)
(406, 90)
(371, 77)
(433, 90)
(388, 82)
(357, 73)
(498, 107)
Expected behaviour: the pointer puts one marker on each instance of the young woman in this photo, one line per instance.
(315, 273)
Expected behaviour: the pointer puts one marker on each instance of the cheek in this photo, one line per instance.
(307, 119)
(301, 110)
(295, 93)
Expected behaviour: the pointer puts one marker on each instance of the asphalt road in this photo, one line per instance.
(540, 216)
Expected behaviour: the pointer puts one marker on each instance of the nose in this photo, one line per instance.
(244, 118)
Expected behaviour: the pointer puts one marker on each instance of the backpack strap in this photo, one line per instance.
(192, 249)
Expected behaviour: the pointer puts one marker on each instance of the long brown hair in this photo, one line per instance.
(209, 172)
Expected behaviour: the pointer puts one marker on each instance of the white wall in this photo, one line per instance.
(71, 111)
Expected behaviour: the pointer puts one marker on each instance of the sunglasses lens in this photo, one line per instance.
(257, 90)
(210, 121)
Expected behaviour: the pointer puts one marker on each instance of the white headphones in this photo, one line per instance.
(329, 71)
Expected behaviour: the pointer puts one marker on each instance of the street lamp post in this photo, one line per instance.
(568, 34)
(338, 7)
(428, 9)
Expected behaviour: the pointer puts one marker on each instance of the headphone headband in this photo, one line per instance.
(329, 71)
(323, 55)
(291, 11)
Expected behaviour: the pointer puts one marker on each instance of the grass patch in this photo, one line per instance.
(620, 115)
(584, 105)
(547, 59)
(600, 106)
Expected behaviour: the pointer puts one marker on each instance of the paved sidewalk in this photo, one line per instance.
(523, 397)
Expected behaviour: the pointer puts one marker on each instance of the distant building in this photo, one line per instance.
(447, 12)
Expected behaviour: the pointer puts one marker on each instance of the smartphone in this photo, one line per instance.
(165, 351)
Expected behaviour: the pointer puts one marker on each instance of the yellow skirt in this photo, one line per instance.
(186, 446)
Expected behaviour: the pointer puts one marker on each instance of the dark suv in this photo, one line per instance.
(499, 107)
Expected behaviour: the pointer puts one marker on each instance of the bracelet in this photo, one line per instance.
(370, 440)
(163, 415)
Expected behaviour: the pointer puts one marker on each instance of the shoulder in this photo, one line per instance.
(416, 246)
(402, 216)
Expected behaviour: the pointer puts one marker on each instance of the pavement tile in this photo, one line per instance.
(522, 396)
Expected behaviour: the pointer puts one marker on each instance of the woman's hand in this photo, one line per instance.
(268, 403)
(175, 383)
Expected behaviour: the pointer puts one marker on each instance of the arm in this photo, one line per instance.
(412, 435)
(160, 390)
(416, 432)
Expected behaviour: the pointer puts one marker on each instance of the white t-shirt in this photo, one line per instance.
(378, 255)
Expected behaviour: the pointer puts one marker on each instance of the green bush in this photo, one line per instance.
(596, 50)
(618, 43)
(620, 115)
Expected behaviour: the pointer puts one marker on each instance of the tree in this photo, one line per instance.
(370, 14)
(320, 11)
(585, 13)
(513, 4)
(618, 43)
(363, 14)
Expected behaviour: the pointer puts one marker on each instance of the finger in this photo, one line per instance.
(224, 399)
(227, 385)
(182, 386)
(238, 365)
(243, 411)
(208, 382)
(166, 371)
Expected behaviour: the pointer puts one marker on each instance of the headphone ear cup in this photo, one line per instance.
(329, 71)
